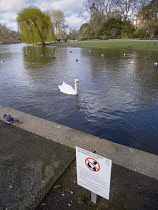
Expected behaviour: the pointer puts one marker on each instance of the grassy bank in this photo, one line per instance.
(114, 44)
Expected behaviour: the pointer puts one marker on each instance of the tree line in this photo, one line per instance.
(105, 19)
(8, 36)
(108, 19)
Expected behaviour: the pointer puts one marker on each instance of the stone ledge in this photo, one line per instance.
(130, 158)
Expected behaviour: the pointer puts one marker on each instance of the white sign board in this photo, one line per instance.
(93, 172)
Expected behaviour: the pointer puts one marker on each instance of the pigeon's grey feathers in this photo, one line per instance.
(9, 119)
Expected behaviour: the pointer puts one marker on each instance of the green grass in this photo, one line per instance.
(114, 44)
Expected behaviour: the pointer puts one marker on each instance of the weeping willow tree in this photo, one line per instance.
(35, 26)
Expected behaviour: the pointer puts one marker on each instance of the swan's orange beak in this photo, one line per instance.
(77, 82)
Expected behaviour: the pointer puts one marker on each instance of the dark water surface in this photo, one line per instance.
(118, 94)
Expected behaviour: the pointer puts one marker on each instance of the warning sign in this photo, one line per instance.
(93, 172)
(92, 164)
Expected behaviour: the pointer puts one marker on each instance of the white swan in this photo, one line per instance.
(68, 89)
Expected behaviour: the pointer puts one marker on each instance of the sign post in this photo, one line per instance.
(94, 197)
(93, 173)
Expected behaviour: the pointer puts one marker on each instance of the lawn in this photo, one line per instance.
(114, 44)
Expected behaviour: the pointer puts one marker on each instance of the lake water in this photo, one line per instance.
(118, 94)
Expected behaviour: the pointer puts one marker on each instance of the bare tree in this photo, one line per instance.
(149, 18)
(104, 8)
(126, 8)
(58, 19)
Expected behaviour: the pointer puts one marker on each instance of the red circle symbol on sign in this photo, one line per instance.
(92, 164)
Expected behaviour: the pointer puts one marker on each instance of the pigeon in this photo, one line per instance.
(9, 119)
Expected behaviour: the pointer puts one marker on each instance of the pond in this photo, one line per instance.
(117, 97)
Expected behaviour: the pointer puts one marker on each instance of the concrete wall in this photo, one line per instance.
(133, 159)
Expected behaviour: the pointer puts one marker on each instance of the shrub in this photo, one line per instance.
(103, 37)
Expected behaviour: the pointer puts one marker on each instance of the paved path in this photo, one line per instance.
(29, 166)
(128, 191)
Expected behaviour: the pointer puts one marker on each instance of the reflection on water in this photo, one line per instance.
(117, 94)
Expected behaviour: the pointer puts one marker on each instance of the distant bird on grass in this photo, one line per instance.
(156, 63)
(9, 119)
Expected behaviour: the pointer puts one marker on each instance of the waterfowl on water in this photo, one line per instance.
(68, 89)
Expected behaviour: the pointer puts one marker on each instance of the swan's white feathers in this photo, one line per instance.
(68, 89)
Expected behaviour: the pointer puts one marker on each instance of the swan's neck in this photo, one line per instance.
(75, 88)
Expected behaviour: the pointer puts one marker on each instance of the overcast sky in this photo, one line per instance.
(71, 8)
